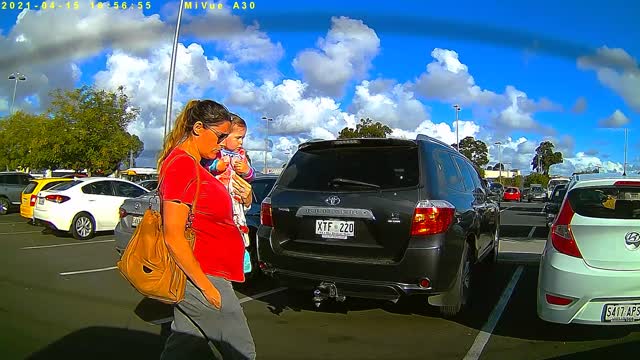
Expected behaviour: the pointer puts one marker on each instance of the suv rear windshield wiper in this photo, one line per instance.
(341, 181)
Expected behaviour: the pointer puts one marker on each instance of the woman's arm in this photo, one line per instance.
(174, 220)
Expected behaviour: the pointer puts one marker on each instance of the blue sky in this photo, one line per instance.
(534, 49)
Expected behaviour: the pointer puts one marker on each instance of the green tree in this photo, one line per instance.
(30, 141)
(536, 178)
(365, 129)
(95, 123)
(545, 153)
(474, 150)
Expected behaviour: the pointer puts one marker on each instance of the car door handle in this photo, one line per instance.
(91, 200)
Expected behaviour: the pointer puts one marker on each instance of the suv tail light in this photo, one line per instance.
(561, 235)
(266, 217)
(432, 217)
(57, 198)
(32, 200)
(122, 213)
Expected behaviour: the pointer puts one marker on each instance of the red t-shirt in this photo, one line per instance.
(219, 247)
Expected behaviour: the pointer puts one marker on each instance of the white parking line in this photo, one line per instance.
(241, 301)
(69, 244)
(484, 335)
(505, 209)
(21, 232)
(88, 271)
(533, 229)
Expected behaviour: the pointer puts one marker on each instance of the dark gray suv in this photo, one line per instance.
(379, 218)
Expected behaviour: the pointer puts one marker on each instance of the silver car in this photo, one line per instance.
(590, 267)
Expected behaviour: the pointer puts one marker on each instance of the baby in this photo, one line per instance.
(233, 159)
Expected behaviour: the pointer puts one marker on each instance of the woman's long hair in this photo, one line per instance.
(209, 112)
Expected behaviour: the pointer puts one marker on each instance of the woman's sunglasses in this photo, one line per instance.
(219, 135)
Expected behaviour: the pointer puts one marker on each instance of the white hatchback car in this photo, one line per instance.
(85, 205)
(590, 267)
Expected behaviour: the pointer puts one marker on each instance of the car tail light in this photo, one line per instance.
(266, 217)
(122, 212)
(424, 283)
(32, 200)
(558, 300)
(432, 217)
(561, 235)
(626, 183)
(57, 198)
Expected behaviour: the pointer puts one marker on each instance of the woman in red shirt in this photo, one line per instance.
(210, 309)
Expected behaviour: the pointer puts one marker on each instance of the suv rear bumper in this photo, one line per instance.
(427, 258)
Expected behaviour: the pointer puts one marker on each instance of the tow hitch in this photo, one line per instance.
(326, 291)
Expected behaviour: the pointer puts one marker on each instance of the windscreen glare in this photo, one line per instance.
(608, 202)
(340, 168)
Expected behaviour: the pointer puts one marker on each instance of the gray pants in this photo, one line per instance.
(201, 331)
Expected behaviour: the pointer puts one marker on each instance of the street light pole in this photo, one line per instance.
(624, 173)
(172, 72)
(499, 159)
(266, 142)
(457, 107)
(15, 77)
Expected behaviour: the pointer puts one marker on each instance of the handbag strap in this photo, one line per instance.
(197, 194)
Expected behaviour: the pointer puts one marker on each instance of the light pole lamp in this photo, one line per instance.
(266, 142)
(499, 159)
(15, 77)
(457, 107)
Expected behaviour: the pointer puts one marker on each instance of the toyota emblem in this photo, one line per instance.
(632, 240)
(136, 206)
(333, 200)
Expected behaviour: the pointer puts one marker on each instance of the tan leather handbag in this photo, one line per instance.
(146, 262)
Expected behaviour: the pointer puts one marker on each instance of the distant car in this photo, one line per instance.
(536, 194)
(552, 207)
(149, 184)
(84, 206)
(11, 185)
(30, 194)
(590, 267)
(512, 194)
(132, 210)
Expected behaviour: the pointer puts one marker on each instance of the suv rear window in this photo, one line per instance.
(607, 202)
(386, 167)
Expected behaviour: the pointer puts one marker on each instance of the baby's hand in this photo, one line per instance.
(222, 165)
(241, 167)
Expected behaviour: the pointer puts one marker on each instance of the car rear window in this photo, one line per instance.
(66, 185)
(385, 167)
(607, 202)
(52, 184)
(30, 187)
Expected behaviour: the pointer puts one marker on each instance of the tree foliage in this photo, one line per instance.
(536, 178)
(84, 128)
(365, 129)
(498, 167)
(474, 150)
(545, 152)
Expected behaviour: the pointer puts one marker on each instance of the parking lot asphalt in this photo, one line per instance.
(63, 298)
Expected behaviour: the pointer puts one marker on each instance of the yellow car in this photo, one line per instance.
(30, 193)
